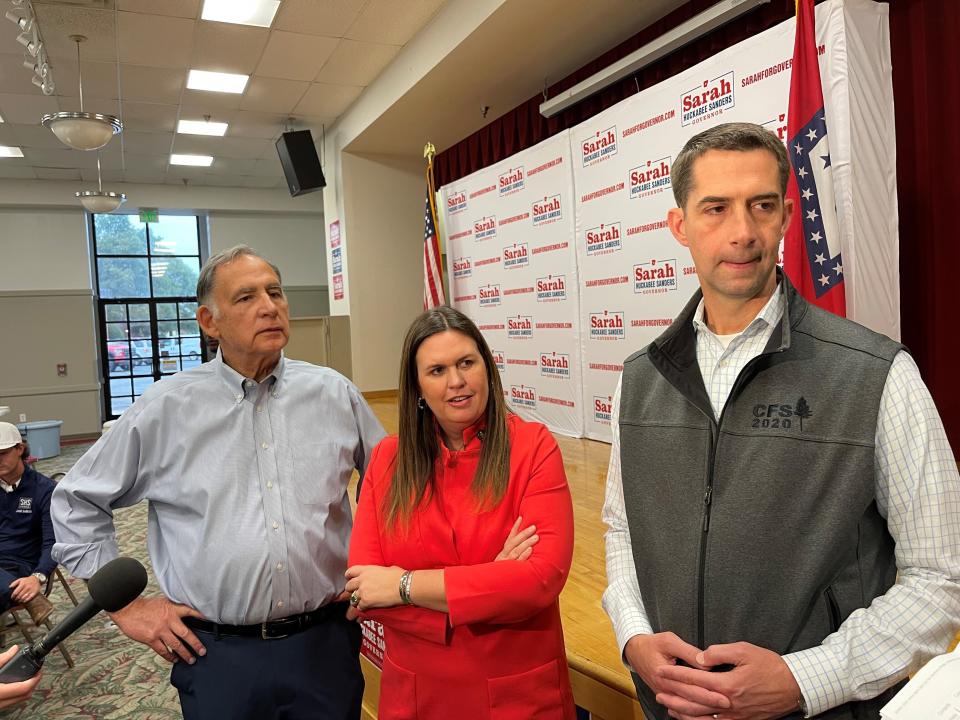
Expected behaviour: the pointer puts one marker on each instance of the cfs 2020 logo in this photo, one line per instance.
(782, 416)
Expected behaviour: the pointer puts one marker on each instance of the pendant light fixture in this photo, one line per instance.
(98, 201)
(82, 130)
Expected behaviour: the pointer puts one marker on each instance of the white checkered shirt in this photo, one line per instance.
(918, 491)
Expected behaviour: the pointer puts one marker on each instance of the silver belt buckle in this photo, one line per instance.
(265, 636)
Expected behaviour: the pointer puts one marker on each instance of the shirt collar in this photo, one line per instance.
(768, 317)
(470, 433)
(239, 385)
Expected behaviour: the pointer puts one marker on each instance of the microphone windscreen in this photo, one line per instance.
(117, 584)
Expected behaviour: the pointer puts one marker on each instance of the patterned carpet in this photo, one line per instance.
(114, 678)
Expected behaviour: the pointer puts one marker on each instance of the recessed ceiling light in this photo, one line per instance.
(216, 81)
(201, 127)
(242, 12)
(198, 160)
(7, 151)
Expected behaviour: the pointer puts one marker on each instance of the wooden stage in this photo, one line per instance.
(601, 683)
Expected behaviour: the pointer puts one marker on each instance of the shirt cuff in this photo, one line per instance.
(815, 671)
(628, 620)
(84, 559)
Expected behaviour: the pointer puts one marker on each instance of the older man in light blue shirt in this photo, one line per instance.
(244, 462)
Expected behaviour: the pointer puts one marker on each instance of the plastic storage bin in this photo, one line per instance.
(43, 437)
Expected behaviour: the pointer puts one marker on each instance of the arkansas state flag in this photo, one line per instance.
(811, 246)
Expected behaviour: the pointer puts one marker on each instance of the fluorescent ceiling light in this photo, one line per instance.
(216, 81)
(198, 160)
(7, 151)
(201, 127)
(242, 12)
(1, 118)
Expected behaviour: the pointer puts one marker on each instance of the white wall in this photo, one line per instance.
(43, 248)
(384, 197)
(294, 243)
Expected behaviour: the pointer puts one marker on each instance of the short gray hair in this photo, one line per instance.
(209, 270)
(740, 137)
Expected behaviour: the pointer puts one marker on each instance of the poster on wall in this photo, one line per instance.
(620, 273)
(512, 269)
(634, 276)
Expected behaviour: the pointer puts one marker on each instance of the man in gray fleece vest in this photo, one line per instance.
(783, 504)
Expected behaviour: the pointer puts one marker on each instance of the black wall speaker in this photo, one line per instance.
(301, 166)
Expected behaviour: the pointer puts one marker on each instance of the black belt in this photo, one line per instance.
(272, 629)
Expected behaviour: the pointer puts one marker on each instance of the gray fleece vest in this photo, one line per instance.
(760, 525)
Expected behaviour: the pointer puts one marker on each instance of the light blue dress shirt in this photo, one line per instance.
(246, 482)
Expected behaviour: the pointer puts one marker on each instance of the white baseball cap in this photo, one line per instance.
(9, 436)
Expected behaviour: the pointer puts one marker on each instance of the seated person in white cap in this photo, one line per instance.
(26, 532)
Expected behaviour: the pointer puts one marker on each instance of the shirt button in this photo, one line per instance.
(264, 446)
(275, 524)
(259, 408)
(239, 398)
(279, 603)
(269, 486)
(280, 567)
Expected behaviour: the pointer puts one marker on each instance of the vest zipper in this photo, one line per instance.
(708, 500)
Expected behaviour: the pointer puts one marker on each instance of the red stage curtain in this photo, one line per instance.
(926, 81)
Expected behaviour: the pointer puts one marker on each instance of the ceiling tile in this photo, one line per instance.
(155, 40)
(99, 79)
(8, 133)
(14, 171)
(177, 8)
(144, 176)
(111, 179)
(147, 143)
(140, 163)
(233, 147)
(58, 22)
(293, 56)
(211, 102)
(391, 22)
(99, 105)
(268, 167)
(235, 166)
(14, 78)
(226, 47)
(149, 84)
(58, 173)
(36, 136)
(272, 94)
(327, 100)
(26, 109)
(356, 63)
(318, 17)
(247, 123)
(64, 158)
(145, 117)
(253, 181)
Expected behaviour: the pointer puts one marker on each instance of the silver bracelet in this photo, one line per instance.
(405, 581)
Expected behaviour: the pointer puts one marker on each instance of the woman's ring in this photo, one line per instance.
(355, 598)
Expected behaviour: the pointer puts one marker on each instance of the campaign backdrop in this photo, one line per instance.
(589, 207)
(512, 268)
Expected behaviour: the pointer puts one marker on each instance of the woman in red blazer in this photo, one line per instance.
(468, 601)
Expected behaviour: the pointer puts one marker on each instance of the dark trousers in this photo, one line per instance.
(311, 675)
(10, 570)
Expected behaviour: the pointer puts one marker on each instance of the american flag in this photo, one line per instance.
(811, 247)
(432, 273)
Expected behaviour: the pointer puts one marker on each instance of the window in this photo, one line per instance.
(146, 279)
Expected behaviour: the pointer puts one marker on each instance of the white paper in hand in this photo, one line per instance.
(934, 692)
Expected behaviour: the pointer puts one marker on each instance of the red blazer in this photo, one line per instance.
(498, 653)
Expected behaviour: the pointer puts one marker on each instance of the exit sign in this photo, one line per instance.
(149, 215)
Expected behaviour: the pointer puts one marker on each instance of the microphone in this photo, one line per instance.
(112, 587)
